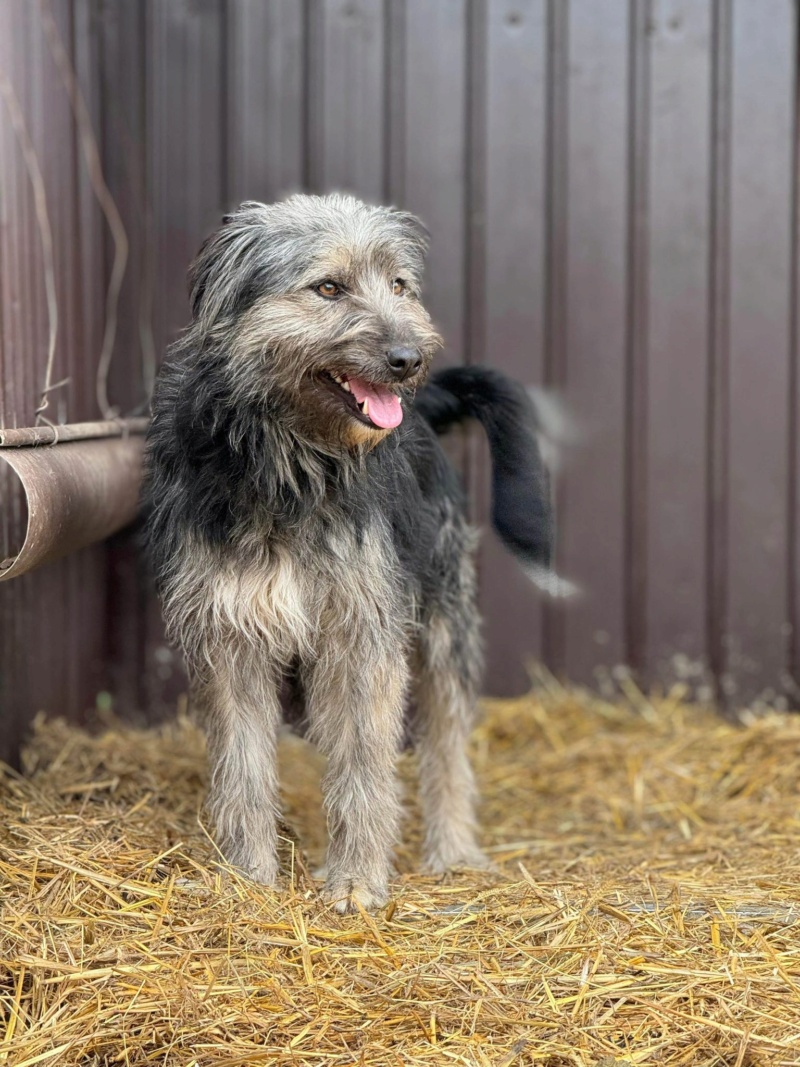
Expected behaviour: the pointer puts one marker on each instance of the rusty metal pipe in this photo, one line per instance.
(77, 491)
(74, 431)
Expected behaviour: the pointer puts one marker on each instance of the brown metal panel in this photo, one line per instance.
(792, 678)
(346, 106)
(122, 122)
(120, 64)
(187, 143)
(431, 176)
(44, 666)
(514, 211)
(16, 260)
(52, 621)
(73, 637)
(51, 129)
(91, 228)
(592, 363)
(108, 63)
(66, 175)
(761, 191)
(9, 268)
(266, 99)
(28, 333)
(672, 612)
(719, 304)
(23, 285)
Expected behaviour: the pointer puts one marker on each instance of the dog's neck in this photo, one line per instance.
(289, 481)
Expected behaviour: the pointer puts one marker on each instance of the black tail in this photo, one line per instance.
(521, 508)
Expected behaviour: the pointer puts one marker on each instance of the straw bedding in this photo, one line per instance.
(644, 907)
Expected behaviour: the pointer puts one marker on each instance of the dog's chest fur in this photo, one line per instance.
(300, 596)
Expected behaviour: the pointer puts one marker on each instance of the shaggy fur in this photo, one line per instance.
(299, 545)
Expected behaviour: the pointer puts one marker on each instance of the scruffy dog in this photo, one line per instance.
(308, 532)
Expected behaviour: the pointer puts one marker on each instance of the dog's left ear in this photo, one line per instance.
(414, 230)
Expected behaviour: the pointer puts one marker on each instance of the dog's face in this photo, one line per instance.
(317, 302)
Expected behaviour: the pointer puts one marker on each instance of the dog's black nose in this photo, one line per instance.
(403, 361)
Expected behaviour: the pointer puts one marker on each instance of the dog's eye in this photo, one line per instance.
(329, 290)
(398, 287)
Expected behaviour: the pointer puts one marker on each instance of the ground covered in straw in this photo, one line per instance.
(644, 906)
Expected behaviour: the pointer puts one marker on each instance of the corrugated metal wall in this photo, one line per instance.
(611, 190)
(52, 624)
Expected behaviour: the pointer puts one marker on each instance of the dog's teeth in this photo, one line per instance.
(365, 406)
(345, 386)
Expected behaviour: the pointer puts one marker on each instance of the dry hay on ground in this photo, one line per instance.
(644, 909)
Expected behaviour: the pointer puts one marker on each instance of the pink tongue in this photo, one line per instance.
(384, 408)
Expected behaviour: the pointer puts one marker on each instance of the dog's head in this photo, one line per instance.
(316, 301)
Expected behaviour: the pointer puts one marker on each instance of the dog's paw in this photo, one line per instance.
(441, 861)
(264, 870)
(347, 894)
(263, 874)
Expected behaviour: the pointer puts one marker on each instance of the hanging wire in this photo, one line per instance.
(147, 342)
(46, 235)
(105, 200)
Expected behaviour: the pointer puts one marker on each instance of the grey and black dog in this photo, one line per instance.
(308, 532)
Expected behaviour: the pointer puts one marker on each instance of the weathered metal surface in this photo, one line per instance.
(610, 189)
(591, 337)
(510, 193)
(761, 357)
(672, 360)
(53, 621)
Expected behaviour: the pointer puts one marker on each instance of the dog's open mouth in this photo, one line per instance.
(369, 402)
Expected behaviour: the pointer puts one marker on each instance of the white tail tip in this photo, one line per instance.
(551, 583)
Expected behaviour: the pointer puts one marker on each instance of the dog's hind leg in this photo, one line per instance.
(355, 707)
(241, 705)
(445, 692)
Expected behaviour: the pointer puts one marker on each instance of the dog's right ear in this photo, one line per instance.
(226, 263)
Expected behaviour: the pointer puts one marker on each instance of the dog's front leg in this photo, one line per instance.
(356, 711)
(241, 703)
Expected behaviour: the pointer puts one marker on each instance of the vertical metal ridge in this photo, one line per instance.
(475, 182)
(147, 281)
(718, 343)
(149, 161)
(394, 140)
(232, 103)
(315, 86)
(31, 370)
(12, 280)
(309, 162)
(386, 85)
(225, 13)
(78, 311)
(636, 400)
(475, 228)
(556, 197)
(5, 360)
(793, 464)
